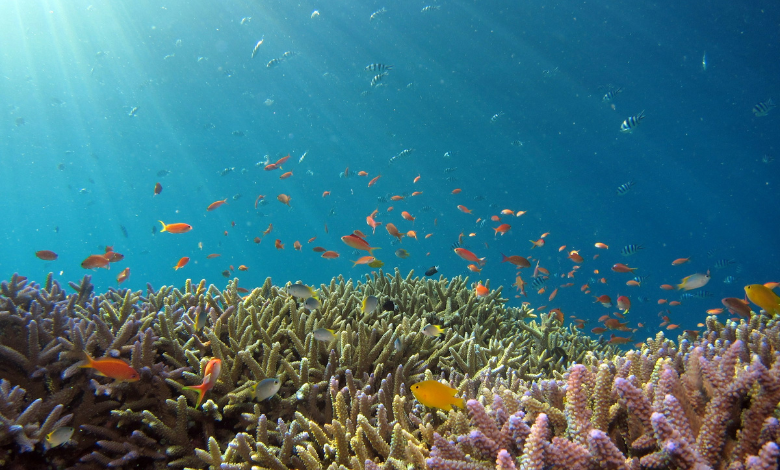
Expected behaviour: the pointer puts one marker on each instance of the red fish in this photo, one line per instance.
(182, 262)
(574, 255)
(46, 255)
(622, 268)
(175, 228)
(210, 377)
(604, 300)
(286, 175)
(464, 209)
(216, 204)
(358, 243)
(95, 261)
(281, 161)
(502, 229)
(123, 276)
(469, 256)
(480, 290)
(330, 255)
(518, 261)
(116, 369)
(371, 183)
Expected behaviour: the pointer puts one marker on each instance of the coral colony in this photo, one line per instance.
(538, 395)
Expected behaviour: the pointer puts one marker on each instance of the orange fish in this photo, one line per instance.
(574, 255)
(362, 173)
(95, 261)
(604, 300)
(464, 209)
(598, 330)
(674, 303)
(416, 179)
(363, 260)
(428, 235)
(311, 239)
(396, 198)
(680, 261)
(123, 276)
(494, 218)
(46, 255)
(268, 230)
(619, 340)
(552, 296)
(297, 245)
(518, 261)
(538, 243)
(183, 261)
(519, 213)
(325, 193)
(259, 198)
(416, 193)
(480, 290)
(175, 228)
(622, 268)
(371, 222)
(602, 246)
(330, 255)
(210, 376)
(502, 229)
(474, 268)
(271, 166)
(213, 255)
(243, 268)
(257, 240)
(407, 216)
(216, 204)
(359, 243)
(469, 256)
(456, 191)
(507, 212)
(376, 178)
(281, 161)
(319, 249)
(661, 301)
(561, 248)
(632, 283)
(286, 175)
(157, 188)
(667, 287)
(714, 311)
(117, 369)
(278, 244)
(672, 326)
(411, 234)
(284, 199)
(393, 230)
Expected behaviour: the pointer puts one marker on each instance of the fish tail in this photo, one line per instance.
(201, 392)
(460, 403)
(89, 360)
(163, 226)
(372, 248)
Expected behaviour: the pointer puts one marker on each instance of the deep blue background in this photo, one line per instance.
(74, 69)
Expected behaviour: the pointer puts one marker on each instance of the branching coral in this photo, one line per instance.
(346, 403)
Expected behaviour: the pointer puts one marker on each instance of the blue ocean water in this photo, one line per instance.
(101, 100)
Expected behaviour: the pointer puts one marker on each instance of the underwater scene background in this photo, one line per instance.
(619, 147)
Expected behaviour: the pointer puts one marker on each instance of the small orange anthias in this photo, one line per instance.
(210, 377)
(117, 369)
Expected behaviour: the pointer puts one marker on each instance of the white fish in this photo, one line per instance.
(694, 281)
(303, 156)
(267, 388)
(246, 19)
(324, 334)
(257, 47)
(59, 436)
(315, 14)
(369, 304)
(302, 291)
(312, 304)
(704, 61)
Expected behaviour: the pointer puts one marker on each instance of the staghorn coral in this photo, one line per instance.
(346, 404)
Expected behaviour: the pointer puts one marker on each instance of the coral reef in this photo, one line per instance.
(540, 395)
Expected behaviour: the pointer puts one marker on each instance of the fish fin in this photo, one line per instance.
(163, 226)
(201, 392)
(460, 403)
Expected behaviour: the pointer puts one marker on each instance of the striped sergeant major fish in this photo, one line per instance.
(377, 14)
(699, 294)
(377, 67)
(378, 78)
(430, 8)
(763, 108)
(611, 94)
(538, 283)
(730, 280)
(723, 263)
(623, 189)
(630, 123)
(629, 250)
(257, 47)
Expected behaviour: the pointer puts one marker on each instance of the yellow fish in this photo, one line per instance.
(764, 298)
(435, 394)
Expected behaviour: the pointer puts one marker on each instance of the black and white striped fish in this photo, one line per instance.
(629, 250)
(730, 280)
(763, 108)
(257, 47)
(725, 262)
(538, 283)
(640, 279)
(630, 123)
(377, 67)
(611, 94)
(430, 8)
(377, 13)
(623, 189)
(699, 294)
(378, 78)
